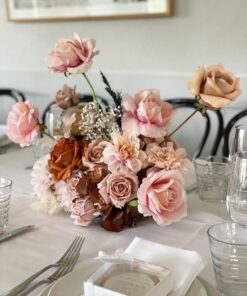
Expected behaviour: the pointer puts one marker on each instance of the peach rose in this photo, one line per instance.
(67, 97)
(93, 155)
(118, 188)
(214, 87)
(65, 158)
(83, 211)
(72, 55)
(146, 114)
(22, 124)
(162, 196)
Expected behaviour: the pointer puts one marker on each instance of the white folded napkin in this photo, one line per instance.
(185, 265)
(4, 140)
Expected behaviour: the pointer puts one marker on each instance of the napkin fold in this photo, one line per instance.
(185, 265)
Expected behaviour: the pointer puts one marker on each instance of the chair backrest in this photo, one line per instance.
(232, 122)
(191, 103)
(83, 98)
(8, 97)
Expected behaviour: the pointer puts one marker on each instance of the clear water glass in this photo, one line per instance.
(212, 177)
(239, 140)
(228, 246)
(237, 189)
(5, 190)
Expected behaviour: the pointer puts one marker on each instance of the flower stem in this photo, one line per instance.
(177, 128)
(93, 91)
(45, 133)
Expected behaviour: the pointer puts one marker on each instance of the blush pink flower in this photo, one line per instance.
(63, 196)
(83, 211)
(124, 153)
(118, 188)
(93, 155)
(41, 178)
(22, 124)
(167, 157)
(146, 114)
(72, 55)
(162, 196)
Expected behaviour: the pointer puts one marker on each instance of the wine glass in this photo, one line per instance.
(237, 189)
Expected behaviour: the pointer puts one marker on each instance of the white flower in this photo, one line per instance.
(47, 203)
(63, 196)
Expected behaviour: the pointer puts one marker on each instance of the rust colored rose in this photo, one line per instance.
(67, 97)
(214, 87)
(65, 158)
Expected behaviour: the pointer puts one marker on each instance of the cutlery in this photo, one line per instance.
(70, 253)
(15, 232)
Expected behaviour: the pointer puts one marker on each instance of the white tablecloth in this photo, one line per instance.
(25, 254)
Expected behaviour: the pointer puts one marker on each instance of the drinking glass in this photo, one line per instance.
(228, 245)
(212, 177)
(237, 189)
(239, 140)
(5, 188)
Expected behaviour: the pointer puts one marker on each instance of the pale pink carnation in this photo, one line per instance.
(63, 196)
(72, 55)
(83, 211)
(146, 114)
(41, 178)
(118, 188)
(22, 124)
(162, 196)
(166, 157)
(124, 153)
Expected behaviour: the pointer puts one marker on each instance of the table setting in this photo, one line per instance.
(146, 219)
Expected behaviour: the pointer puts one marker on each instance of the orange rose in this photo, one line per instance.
(214, 87)
(65, 158)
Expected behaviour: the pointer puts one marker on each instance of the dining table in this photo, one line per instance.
(25, 254)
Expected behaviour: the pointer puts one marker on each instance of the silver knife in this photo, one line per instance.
(10, 234)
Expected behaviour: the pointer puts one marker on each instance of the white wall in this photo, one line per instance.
(135, 54)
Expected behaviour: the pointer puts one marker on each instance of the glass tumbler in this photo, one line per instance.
(5, 189)
(212, 177)
(228, 246)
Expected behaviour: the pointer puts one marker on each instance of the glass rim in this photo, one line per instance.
(10, 182)
(224, 242)
(224, 159)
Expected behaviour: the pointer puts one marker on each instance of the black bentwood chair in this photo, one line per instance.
(191, 103)
(16, 95)
(232, 122)
(83, 98)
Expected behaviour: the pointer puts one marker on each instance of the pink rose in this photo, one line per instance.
(83, 211)
(67, 97)
(214, 87)
(22, 124)
(146, 114)
(162, 196)
(118, 188)
(93, 155)
(72, 55)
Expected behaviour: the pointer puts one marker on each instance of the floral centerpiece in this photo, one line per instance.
(118, 164)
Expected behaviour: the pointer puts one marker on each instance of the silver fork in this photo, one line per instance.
(75, 246)
(61, 271)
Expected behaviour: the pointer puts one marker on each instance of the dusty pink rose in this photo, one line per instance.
(167, 157)
(146, 114)
(72, 55)
(93, 155)
(214, 87)
(118, 188)
(162, 196)
(22, 124)
(124, 153)
(67, 97)
(83, 211)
